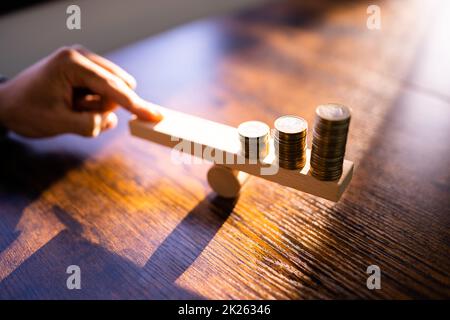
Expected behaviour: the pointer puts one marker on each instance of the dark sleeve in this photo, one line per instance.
(3, 130)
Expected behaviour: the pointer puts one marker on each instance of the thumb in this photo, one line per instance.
(90, 124)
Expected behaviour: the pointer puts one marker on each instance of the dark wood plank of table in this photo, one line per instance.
(142, 227)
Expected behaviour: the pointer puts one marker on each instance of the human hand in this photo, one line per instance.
(70, 91)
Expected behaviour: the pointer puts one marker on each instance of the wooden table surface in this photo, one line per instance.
(141, 227)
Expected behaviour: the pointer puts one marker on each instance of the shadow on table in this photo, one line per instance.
(106, 275)
(188, 240)
(24, 175)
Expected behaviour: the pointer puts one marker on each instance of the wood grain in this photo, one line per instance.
(140, 227)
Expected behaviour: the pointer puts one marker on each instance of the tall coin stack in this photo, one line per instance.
(290, 141)
(254, 138)
(329, 140)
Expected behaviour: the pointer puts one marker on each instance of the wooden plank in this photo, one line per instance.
(219, 144)
(142, 228)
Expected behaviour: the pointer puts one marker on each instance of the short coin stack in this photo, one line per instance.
(329, 140)
(290, 141)
(254, 138)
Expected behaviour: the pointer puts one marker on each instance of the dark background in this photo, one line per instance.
(10, 6)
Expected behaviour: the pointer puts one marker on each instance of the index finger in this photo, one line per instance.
(108, 65)
(88, 74)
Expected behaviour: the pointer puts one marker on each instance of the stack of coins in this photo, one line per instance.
(290, 141)
(254, 138)
(329, 140)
